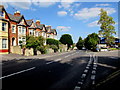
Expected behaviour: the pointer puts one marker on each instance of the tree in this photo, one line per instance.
(34, 42)
(107, 29)
(91, 41)
(66, 39)
(80, 43)
(51, 41)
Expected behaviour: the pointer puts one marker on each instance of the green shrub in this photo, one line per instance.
(54, 47)
(42, 49)
(51, 41)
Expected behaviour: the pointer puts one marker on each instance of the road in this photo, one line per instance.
(75, 70)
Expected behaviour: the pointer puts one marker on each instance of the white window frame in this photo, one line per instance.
(4, 26)
(4, 46)
(23, 30)
(20, 29)
(13, 29)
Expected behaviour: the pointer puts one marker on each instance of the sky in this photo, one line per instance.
(76, 18)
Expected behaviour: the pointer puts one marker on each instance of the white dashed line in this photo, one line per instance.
(77, 88)
(92, 77)
(17, 72)
(58, 59)
(50, 62)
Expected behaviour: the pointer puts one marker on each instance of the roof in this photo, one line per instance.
(1, 8)
(1, 18)
(15, 18)
(39, 26)
(29, 22)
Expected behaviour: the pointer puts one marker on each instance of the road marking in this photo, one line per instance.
(77, 88)
(17, 73)
(58, 59)
(49, 62)
(85, 71)
(113, 57)
(80, 83)
(92, 77)
(67, 56)
(105, 65)
(93, 72)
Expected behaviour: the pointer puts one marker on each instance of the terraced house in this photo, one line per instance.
(14, 28)
(4, 25)
(17, 30)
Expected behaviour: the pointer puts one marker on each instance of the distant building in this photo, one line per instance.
(102, 40)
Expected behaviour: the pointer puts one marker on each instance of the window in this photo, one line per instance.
(1, 13)
(31, 32)
(23, 39)
(23, 30)
(13, 29)
(3, 26)
(43, 34)
(19, 29)
(4, 43)
(37, 33)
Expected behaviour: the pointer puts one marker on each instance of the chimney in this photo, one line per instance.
(17, 13)
(38, 22)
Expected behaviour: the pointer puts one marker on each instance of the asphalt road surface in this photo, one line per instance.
(76, 70)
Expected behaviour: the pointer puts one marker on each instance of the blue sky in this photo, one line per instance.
(75, 18)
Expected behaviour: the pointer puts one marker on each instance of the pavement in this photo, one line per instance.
(11, 56)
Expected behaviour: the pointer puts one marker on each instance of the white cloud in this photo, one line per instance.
(63, 28)
(102, 5)
(87, 13)
(62, 13)
(93, 24)
(23, 5)
(44, 4)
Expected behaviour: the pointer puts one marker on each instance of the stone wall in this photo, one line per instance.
(16, 50)
(29, 52)
(62, 48)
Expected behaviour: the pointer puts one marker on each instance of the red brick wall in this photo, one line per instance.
(11, 35)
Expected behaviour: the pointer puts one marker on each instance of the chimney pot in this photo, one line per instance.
(17, 13)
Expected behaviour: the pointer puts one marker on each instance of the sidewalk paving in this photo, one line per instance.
(8, 57)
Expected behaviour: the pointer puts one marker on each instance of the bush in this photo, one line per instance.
(54, 47)
(42, 49)
(51, 41)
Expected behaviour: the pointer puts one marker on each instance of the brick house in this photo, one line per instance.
(30, 28)
(17, 30)
(51, 33)
(36, 29)
(4, 28)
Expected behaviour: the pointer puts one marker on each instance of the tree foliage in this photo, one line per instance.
(106, 25)
(66, 39)
(80, 43)
(51, 41)
(34, 42)
(91, 41)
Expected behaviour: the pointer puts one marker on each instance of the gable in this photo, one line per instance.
(22, 22)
